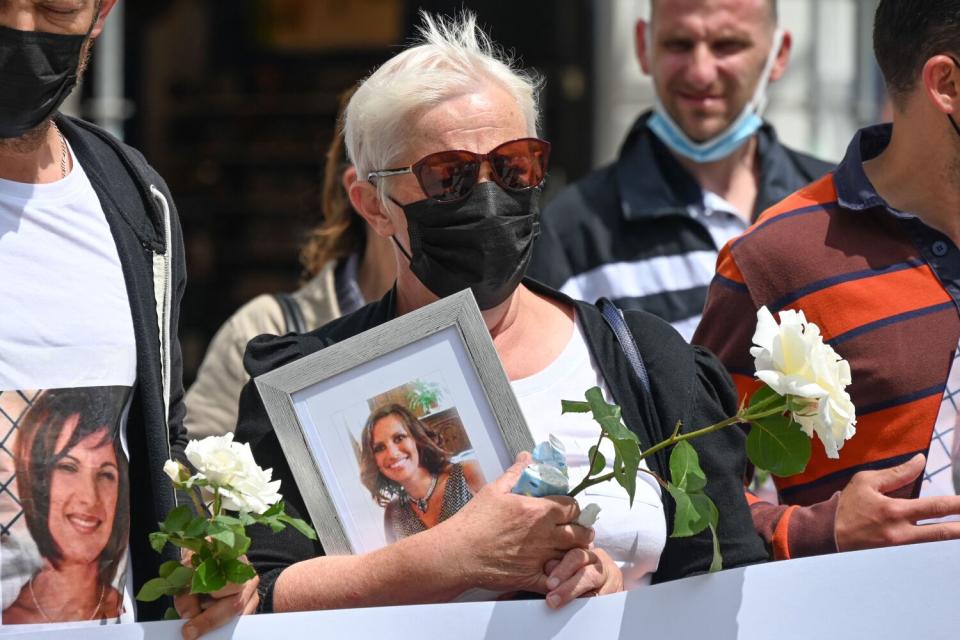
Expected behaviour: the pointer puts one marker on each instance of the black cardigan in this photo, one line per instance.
(688, 384)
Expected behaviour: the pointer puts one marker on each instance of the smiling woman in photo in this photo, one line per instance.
(409, 475)
(72, 482)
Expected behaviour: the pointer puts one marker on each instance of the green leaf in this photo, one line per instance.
(208, 577)
(167, 568)
(777, 444)
(171, 614)
(154, 589)
(180, 577)
(275, 510)
(598, 461)
(625, 466)
(299, 525)
(762, 395)
(227, 537)
(694, 512)
(196, 529)
(574, 406)
(608, 417)
(194, 544)
(242, 545)
(707, 509)
(717, 563)
(227, 521)
(177, 520)
(684, 512)
(158, 540)
(685, 471)
(238, 572)
(626, 445)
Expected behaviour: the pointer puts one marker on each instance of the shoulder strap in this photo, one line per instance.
(292, 313)
(613, 316)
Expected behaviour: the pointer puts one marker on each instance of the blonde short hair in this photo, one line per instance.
(450, 58)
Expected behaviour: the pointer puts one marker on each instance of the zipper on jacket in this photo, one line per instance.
(163, 314)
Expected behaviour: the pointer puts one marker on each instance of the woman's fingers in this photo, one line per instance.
(571, 562)
(586, 579)
(187, 606)
(550, 566)
(222, 610)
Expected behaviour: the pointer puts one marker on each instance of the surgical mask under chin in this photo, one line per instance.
(483, 242)
(730, 139)
(39, 71)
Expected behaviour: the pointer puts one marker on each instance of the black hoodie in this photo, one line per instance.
(145, 227)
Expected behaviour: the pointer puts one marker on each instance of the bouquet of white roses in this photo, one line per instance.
(803, 393)
(227, 479)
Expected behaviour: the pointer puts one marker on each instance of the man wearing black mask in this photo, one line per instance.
(93, 269)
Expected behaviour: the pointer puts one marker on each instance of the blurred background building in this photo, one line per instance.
(233, 101)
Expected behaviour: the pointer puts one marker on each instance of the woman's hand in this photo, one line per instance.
(502, 541)
(204, 613)
(581, 572)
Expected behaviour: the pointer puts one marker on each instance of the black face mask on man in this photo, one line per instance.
(483, 242)
(38, 71)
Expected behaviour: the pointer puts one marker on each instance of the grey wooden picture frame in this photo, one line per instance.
(278, 387)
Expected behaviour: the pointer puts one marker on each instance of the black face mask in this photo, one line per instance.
(37, 71)
(483, 242)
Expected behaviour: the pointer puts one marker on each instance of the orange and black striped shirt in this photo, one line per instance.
(883, 288)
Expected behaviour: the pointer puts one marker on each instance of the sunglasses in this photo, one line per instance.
(448, 176)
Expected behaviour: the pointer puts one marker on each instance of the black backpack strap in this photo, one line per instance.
(614, 319)
(292, 313)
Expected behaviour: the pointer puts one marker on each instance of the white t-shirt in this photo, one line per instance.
(67, 367)
(633, 537)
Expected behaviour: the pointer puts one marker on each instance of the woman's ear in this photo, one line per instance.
(366, 202)
(348, 177)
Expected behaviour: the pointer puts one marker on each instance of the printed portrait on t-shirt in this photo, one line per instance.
(64, 505)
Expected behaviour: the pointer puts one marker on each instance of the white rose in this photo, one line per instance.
(172, 469)
(216, 459)
(230, 467)
(793, 360)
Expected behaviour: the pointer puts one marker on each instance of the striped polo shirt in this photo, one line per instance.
(884, 288)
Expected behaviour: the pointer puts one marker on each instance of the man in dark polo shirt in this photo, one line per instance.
(692, 173)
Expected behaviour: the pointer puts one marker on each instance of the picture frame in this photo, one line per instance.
(336, 411)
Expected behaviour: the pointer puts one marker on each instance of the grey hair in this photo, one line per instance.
(449, 58)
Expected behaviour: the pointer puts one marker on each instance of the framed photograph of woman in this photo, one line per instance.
(394, 430)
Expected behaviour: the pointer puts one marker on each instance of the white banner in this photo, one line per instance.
(897, 593)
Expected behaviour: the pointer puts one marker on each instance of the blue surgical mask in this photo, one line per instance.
(730, 139)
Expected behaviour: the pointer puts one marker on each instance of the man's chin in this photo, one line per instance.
(28, 142)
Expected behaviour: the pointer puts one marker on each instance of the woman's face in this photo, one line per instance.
(83, 494)
(394, 449)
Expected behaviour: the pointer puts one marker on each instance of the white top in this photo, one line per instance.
(634, 537)
(65, 324)
(721, 218)
(942, 474)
